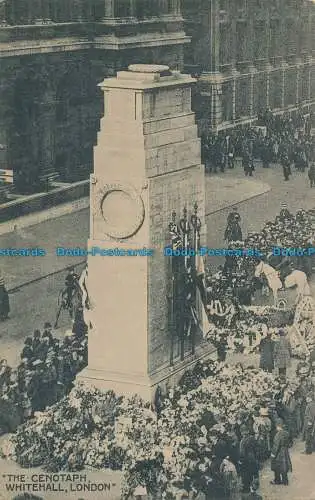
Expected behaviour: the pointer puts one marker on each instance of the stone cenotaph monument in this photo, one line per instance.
(146, 165)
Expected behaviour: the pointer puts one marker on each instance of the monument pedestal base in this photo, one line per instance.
(128, 385)
(122, 384)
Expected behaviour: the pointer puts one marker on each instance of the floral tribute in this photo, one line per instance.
(164, 452)
(251, 326)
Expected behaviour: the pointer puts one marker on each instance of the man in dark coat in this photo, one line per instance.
(280, 457)
(286, 166)
(266, 153)
(311, 175)
(36, 343)
(5, 373)
(249, 465)
(222, 347)
(48, 332)
(282, 354)
(27, 352)
(247, 163)
(266, 349)
(4, 301)
(42, 349)
(233, 216)
(233, 232)
(309, 425)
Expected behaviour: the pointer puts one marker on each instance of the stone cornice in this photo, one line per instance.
(28, 47)
(67, 44)
(149, 40)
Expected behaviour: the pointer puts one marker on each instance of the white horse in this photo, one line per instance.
(272, 277)
(299, 279)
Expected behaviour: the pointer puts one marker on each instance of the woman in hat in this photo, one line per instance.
(4, 301)
(280, 457)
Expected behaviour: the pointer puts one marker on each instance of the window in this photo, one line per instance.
(276, 89)
(260, 93)
(305, 82)
(260, 41)
(290, 87)
(227, 101)
(225, 43)
(275, 46)
(122, 8)
(242, 97)
(240, 41)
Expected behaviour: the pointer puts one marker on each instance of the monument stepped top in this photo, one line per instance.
(148, 68)
(146, 76)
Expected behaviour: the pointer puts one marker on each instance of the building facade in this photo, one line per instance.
(53, 55)
(250, 55)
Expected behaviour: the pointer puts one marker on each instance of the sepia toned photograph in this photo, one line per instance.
(157, 249)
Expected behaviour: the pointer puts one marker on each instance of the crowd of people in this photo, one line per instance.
(47, 368)
(278, 139)
(235, 280)
(269, 433)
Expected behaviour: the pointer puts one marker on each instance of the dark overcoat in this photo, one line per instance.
(266, 349)
(280, 457)
(4, 302)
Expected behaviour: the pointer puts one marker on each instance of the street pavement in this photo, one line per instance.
(67, 231)
(256, 211)
(301, 481)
